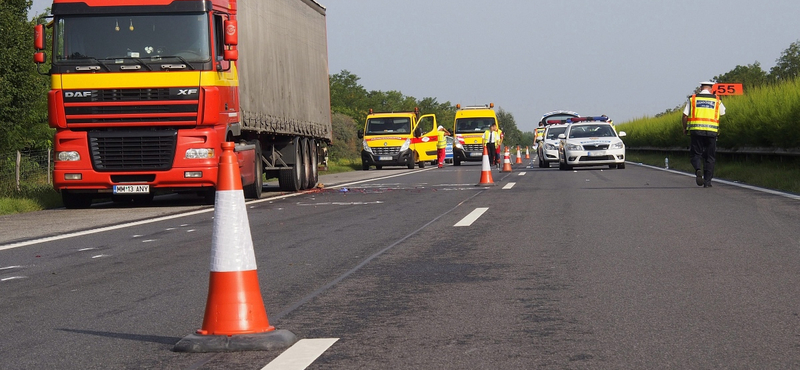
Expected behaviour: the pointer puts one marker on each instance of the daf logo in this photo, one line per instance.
(187, 91)
(77, 94)
(385, 143)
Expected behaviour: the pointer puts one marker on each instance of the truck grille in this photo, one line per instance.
(386, 150)
(473, 147)
(132, 150)
(168, 105)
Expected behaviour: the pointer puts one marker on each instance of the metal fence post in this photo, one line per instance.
(19, 159)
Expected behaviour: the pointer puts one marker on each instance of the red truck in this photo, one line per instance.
(143, 93)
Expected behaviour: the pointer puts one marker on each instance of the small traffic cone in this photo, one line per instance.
(486, 170)
(519, 157)
(527, 153)
(235, 317)
(507, 162)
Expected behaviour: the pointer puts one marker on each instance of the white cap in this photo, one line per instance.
(440, 128)
(709, 83)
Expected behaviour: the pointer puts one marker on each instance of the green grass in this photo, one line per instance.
(342, 165)
(28, 199)
(778, 173)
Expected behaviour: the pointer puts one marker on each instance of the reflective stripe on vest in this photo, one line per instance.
(704, 113)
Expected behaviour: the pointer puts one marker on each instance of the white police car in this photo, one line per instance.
(547, 152)
(591, 141)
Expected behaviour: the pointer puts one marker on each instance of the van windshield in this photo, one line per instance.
(473, 124)
(390, 125)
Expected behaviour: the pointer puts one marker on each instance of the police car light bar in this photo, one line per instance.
(587, 119)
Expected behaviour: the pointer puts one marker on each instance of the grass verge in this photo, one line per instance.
(777, 173)
(29, 199)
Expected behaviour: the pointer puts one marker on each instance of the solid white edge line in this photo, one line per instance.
(179, 215)
(471, 217)
(300, 355)
(726, 182)
(509, 185)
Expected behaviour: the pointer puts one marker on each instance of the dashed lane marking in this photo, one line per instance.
(301, 354)
(471, 217)
(509, 185)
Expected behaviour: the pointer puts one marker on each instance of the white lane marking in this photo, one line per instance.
(100, 256)
(509, 185)
(10, 267)
(471, 217)
(522, 174)
(13, 278)
(180, 215)
(301, 354)
(86, 249)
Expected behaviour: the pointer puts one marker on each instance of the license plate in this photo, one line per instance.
(384, 158)
(475, 154)
(131, 189)
(597, 153)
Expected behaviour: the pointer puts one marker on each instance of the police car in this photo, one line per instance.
(590, 141)
(547, 152)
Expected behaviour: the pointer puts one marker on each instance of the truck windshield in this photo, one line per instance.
(468, 125)
(391, 125)
(146, 37)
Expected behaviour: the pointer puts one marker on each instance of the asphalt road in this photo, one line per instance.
(591, 268)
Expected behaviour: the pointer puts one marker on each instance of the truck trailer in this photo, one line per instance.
(143, 93)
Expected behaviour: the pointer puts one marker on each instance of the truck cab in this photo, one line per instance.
(398, 139)
(469, 125)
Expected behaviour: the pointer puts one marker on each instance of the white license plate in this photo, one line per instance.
(597, 153)
(131, 189)
(475, 154)
(384, 158)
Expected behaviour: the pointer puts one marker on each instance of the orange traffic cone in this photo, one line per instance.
(519, 157)
(506, 162)
(486, 170)
(527, 153)
(235, 317)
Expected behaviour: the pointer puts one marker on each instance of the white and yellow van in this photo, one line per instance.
(470, 124)
(398, 139)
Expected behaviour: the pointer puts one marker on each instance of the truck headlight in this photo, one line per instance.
(405, 145)
(618, 145)
(201, 153)
(574, 147)
(366, 147)
(70, 156)
(459, 145)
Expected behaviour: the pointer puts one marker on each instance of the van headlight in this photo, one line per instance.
(405, 145)
(366, 147)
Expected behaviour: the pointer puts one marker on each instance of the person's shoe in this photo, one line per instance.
(441, 166)
(707, 185)
(698, 177)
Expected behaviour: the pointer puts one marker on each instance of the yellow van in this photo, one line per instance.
(469, 125)
(398, 139)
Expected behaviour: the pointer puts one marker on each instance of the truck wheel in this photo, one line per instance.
(364, 166)
(306, 164)
(75, 200)
(253, 191)
(456, 162)
(290, 178)
(313, 176)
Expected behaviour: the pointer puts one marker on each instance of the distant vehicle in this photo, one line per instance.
(469, 125)
(547, 152)
(448, 150)
(398, 139)
(591, 141)
(555, 117)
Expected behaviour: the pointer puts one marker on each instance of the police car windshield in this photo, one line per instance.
(553, 132)
(598, 130)
(390, 125)
(473, 124)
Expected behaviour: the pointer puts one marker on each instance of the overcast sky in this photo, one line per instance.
(622, 58)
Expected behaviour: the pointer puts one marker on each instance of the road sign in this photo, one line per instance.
(727, 89)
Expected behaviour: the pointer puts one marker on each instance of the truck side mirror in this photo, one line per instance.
(38, 43)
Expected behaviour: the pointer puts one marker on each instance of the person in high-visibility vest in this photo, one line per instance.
(441, 144)
(491, 140)
(701, 122)
(498, 147)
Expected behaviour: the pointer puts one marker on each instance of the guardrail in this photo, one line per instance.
(778, 152)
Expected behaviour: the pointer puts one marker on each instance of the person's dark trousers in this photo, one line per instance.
(704, 152)
(492, 153)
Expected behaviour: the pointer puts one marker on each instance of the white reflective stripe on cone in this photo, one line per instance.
(231, 243)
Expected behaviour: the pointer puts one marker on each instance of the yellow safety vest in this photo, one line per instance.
(441, 142)
(704, 113)
(539, 132)
(491, 136)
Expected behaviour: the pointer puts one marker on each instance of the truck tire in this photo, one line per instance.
(253, 191)
(412, 161)
(290, 179)
(456, 162)
(364, 166)
(75, 200)
(313, 176)
(306, 164)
